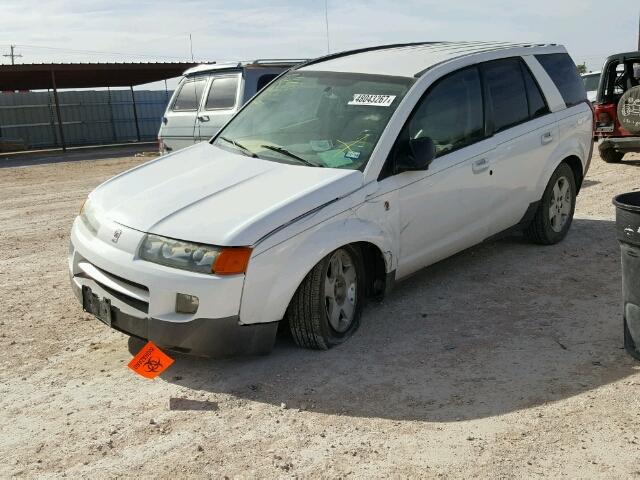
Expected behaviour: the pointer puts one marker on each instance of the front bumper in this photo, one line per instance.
(621, 144)
(142, 297)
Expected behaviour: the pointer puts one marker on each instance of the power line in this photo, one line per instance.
(13, 55)
(94, 52)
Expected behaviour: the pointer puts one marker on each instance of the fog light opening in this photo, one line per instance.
(186, 303)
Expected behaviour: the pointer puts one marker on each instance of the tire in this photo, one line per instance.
(327, 306)
(609, 155)
(629, 344)
(554, 215)
(629, 110)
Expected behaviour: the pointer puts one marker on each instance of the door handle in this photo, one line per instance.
(479, 166)
(547, 138)
(203, 118)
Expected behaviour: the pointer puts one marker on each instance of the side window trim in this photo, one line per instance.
(205, 98)
(388, 169)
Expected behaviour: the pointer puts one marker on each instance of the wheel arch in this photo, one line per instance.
(274, 275)
(576, 167)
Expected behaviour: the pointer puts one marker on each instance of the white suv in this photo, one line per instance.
(344, 175)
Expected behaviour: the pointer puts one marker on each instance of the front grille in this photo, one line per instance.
(132, 302)
(123, 280)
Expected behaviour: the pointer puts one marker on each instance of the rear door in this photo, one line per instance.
(575, 122)
(178, 130)
(525, 132)
(221, 101)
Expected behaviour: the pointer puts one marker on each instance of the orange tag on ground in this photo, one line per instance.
(150, 361)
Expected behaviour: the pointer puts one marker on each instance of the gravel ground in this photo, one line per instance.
(503, 361)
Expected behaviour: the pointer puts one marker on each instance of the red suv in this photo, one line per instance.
(617, 107)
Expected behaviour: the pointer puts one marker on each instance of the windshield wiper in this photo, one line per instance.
(239, 145)
(286, 152)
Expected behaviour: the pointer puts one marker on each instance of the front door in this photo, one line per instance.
(444, 209)
(179, 130)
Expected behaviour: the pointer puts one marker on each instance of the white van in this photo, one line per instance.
(344, 175)
(209, 95)
(591, 82)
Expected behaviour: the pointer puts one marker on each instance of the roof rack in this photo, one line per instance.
(346, 53)
(277, 61)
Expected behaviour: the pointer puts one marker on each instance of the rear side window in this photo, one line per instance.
(188, 97)
(222, 93)
(537, 104)
(507, 93)
(565, 75)
(451, 114)
(264, 79)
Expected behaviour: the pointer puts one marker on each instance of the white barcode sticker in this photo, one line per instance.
(372, 100)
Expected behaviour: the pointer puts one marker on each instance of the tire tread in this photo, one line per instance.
(303, 315)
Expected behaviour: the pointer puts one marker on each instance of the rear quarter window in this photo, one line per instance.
(265, 79)
(565, 75)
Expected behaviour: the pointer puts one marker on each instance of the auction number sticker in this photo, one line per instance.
(372, 99)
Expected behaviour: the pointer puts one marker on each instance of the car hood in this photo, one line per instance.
(209, 195)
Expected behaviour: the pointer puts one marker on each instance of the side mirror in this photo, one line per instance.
(420, 153)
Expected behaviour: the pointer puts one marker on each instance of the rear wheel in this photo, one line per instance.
(609, 155)
(326, 308)
(553, 218)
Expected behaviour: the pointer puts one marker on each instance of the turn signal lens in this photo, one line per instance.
(232, 261)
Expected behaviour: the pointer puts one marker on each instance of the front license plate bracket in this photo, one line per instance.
(99, 307)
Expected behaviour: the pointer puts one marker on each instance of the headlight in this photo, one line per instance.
(88, 215)
(195, 257)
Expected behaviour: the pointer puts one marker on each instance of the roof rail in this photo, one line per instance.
(270, 61)
(346, 53)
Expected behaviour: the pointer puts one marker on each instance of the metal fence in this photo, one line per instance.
(89, 117)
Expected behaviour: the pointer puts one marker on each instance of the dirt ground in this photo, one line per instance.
(503, 361)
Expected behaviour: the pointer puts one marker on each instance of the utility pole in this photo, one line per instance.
(638, 31)
(12, 55)
(326, 23)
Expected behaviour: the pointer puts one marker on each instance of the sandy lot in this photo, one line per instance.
(504, 361)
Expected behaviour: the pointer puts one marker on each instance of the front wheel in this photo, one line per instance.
(326, 308)
(554, 215)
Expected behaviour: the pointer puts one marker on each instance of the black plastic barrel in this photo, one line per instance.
(628, 230)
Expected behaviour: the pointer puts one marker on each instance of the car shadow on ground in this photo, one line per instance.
(501, 327)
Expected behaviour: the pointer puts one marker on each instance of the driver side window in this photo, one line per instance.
(451, 114)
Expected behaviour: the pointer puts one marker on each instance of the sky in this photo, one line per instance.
(158, 30)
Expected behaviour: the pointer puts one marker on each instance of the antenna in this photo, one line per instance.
(326, 23)
(12, 55)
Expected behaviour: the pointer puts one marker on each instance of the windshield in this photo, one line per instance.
(591, 82)
(320, 119)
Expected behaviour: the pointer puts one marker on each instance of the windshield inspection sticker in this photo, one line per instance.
(372, 100)
(352, 155)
